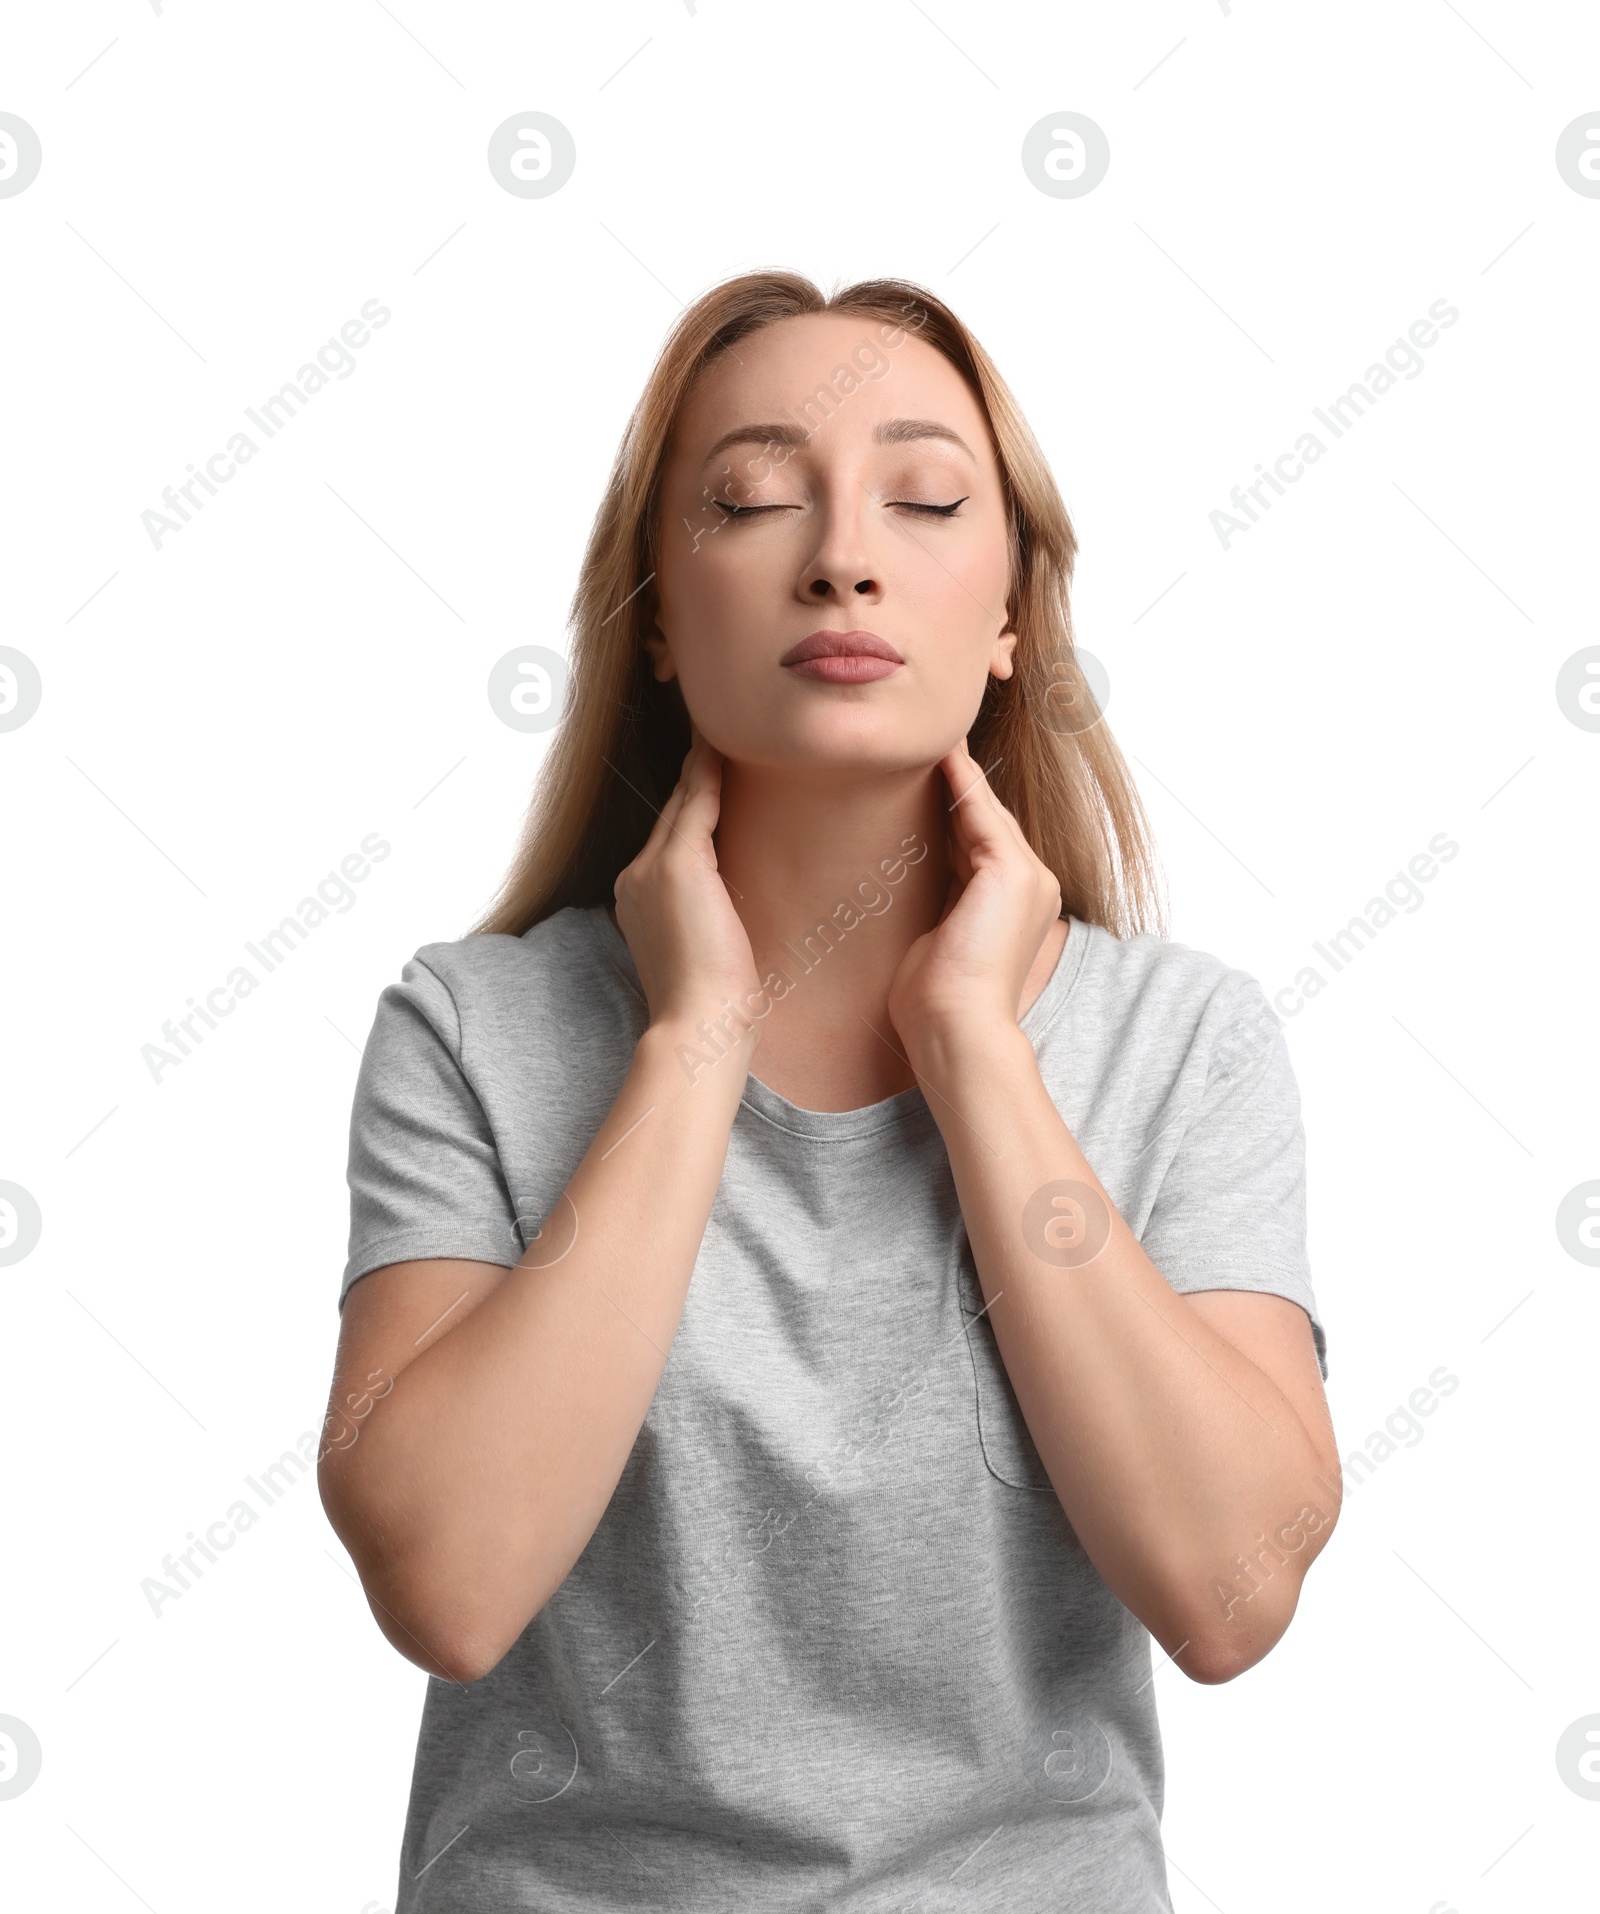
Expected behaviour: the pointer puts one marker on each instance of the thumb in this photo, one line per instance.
(952, 896)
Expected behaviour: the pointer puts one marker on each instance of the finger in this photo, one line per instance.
(702, 799)
(998, 809)
(952, 896)
(666, 818)
(665, 827)
(956, 851)
(978, 818)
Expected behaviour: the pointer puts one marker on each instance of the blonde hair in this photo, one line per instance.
(620, 746)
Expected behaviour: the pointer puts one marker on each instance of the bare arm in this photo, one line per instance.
(504, 1402)
(1190, 1446)
(1187, 1438)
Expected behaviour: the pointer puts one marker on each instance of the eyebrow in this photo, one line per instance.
(891, 432)
(902, 431)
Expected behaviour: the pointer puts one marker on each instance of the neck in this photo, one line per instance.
(834, 877)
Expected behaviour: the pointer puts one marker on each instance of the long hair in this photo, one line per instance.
(623, 735)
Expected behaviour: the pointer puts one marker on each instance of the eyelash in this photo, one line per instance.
(753, 511)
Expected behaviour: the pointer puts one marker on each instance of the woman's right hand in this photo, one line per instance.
(688, 944)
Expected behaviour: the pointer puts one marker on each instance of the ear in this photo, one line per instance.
(661, 654)
(1001, 662)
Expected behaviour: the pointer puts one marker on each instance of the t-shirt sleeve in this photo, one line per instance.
(1231, 1209)
(424, 1173)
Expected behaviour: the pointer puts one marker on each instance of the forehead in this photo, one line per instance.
(776, 370)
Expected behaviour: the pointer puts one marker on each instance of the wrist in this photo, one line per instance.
(950, 1047)
(693, 1043)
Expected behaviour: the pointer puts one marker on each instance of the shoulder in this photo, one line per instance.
(579, 946)
(563, 975)
(1172, 996)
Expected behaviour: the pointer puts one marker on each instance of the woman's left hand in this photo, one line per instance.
(966, 975)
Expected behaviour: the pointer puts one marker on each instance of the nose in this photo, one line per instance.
(841, 570)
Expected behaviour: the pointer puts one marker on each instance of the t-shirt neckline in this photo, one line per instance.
(905, 1105)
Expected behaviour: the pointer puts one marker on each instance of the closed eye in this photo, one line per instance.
(730, 510)
(941, 511)
(747, 511)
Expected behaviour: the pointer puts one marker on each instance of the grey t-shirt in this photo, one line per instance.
(834, 1643)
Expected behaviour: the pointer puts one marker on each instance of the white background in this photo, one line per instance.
(223, 720)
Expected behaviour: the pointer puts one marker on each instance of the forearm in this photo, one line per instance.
(482, 1475)
(1175, 1458)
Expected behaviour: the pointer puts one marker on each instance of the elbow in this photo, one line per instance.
(447, 1657)
(438, 1628)
(1245, 1610)
(444, 1587)
(1211, 1655)
(1232, 1634)
(1218, 1660)
(438, 1635)
(431, 1620)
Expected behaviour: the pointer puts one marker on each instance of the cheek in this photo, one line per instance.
(707, 599)
(960, 589)
(713, 615)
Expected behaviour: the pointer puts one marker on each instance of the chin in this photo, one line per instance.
(872, 744)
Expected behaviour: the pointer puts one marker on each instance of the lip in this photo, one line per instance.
(842, 657)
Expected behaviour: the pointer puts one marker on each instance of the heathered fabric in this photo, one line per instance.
(834, 1644)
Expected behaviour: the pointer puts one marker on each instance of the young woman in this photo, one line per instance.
(807, 1327)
